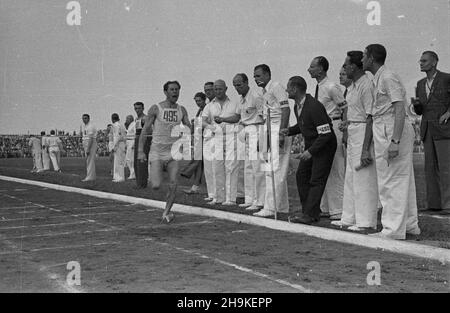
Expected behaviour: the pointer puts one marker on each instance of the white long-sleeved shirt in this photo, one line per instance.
(119, 134)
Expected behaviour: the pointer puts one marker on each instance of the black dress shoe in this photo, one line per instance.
(303, 219)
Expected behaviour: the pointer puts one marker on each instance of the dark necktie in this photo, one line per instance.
(316, 95)
(345, 93)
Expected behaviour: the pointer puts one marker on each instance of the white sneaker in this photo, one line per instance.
(335, 217)
(254, 207)
(118, 181)
(229, 203)
(263, 213)
(244, 205)
(354, 228)
(340, 224)
(380, 235)
(214, 201)
(415, 232)
(208, 199)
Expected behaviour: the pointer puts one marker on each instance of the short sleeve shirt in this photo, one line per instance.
(387, 89)
(330, 95)
(251, 108)
(360, 99)
(214, 108)
(275, 98)
(89, 131)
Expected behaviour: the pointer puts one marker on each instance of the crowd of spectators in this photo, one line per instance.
(16, 146)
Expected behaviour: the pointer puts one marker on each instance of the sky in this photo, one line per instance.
(123, 51)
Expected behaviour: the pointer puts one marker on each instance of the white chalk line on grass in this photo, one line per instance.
(401, 247)
(18, 207)
(69, 247)
(43, 225)
(232, 265)
(63, 216)
(56, 210)
(173, 225)
(62, 234)
(440, 217)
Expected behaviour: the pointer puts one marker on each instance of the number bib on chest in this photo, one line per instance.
(170, 115)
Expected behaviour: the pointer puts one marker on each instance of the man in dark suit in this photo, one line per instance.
(316, 127)
(433, 103)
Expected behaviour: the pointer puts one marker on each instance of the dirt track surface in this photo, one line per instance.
(125, 248)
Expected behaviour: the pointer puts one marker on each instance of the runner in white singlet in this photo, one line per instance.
(161, 119)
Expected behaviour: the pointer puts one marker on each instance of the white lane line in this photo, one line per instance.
(232, 265)
(18, 207)
(56, 210)
(447, 217)
(175, 224)
(62, 216)
(44, 225)
(62, 248)
(405, 248)
(68, 233)
(20, 189)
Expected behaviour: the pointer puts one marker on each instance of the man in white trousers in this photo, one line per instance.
(360, 188)
(118, 148)
(252, 119)
(89, 139)
(210, 176)
(275, 99)
(45, 156)
(393, 141)
(55, 148)
(331, 96)
(130, 126)
(36, 150)
(223, 114)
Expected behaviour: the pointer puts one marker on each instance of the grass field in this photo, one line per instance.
(124, 248)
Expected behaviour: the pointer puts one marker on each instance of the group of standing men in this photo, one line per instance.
(358, 143)
(46, 150)
(122, 140)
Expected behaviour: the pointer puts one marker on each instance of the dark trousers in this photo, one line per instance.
(312, 177)
(141, 168)
(437, 172)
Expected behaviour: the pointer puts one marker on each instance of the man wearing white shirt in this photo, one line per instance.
(45, 156)
(275, 99)
(360, 189)
(36, 150)
(210, 176)
(330, 95)
(252, 119)
(393, 142)
(118, 148)
(55, 148)
(89, 133)
(130, 126)
(221, 116)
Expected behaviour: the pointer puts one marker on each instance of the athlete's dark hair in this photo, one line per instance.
(166, 85)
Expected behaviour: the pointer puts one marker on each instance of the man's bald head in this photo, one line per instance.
(220, 82)
(220, 89)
